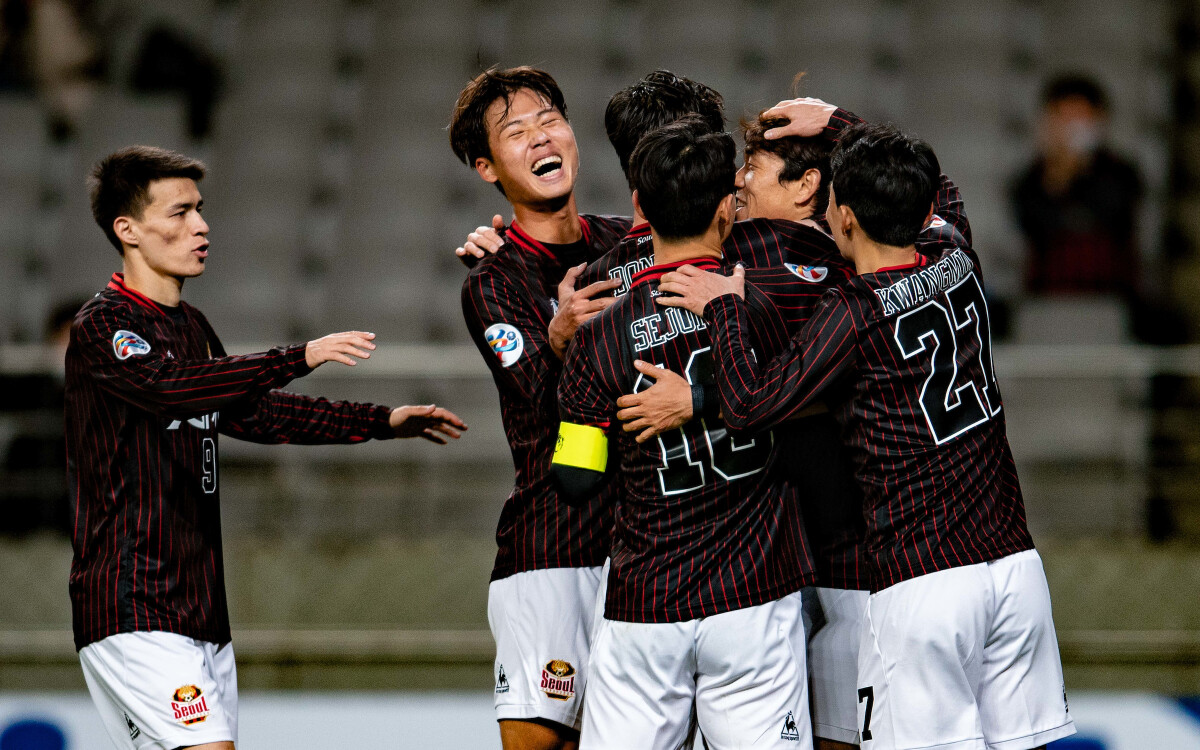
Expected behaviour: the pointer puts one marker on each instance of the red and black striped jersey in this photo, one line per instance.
(508, 301)
(755, 243)
(909, 349)
(148, 389)
(704, 523)
(830, 499)
(782, 251)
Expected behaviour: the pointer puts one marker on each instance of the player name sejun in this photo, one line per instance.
(916, 288)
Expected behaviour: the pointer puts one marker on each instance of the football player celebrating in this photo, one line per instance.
(958, 648)
(522, 309)
(149, 389)
(703, 606)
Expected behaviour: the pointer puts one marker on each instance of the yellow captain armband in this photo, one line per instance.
(581, 446)
(580, 459)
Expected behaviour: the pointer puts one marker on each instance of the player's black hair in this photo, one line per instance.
(888, 178)
(681, 173)
(119, 184)
(468, 124)
(1072, 86)
(658, 99)
(799, 154)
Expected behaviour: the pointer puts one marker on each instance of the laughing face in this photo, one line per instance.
(534, 157)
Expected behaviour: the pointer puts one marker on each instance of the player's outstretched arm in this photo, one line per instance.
(668, 404)
(432, 423)
(755, 397)
(126, 364)
(484, 241)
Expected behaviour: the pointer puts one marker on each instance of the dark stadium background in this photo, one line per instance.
(358, 576)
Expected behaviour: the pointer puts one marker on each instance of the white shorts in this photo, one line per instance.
(162, 690)
(744, 671)
(963, 659)
(833, 663)
(542, 621)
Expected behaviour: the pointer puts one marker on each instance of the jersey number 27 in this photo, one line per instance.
(952, 408)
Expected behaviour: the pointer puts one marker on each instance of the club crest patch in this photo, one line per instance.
(189, 704)
(808, 273)
(127, 344)
(507, 343)
(558, 680)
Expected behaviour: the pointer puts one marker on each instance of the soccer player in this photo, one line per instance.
(958, 648)
(708, 558)
(148, 390)
(522, 309)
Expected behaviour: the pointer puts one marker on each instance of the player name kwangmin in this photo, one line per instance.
(916, 288)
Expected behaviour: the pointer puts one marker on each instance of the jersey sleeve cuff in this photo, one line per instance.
(295, 363)
(839, 121)
(380, 425)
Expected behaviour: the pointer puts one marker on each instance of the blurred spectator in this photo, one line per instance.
(33, 490)
(1077, 204)
(44, 45)
(169, 62)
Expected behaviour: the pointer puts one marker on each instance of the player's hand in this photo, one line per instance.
(483, 241)
(663, 406)
(576, 307)
(428, 422)
(806, 117)
(694, 289)
(339, 347)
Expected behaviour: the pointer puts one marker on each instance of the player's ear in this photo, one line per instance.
(637, 203)
(726, 212)
(123, 228)
(486, 171)
(846, 218)
(807, 186)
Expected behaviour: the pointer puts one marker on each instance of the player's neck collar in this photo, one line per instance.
(524, 241)
(117, 284)
(654, 273)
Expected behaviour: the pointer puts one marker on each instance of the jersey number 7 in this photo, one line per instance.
(950, 408)
(726, 458)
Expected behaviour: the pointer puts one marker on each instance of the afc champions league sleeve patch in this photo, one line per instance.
(506, 341)
(808, 273)
(127, 344)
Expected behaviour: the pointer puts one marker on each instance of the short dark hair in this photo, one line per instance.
(658, 99)
(1072, 86)
(799, 154)
(119, 184)
(468, 124)
(682, 172)
(888, 178)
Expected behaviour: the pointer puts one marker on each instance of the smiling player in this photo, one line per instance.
(521, 309)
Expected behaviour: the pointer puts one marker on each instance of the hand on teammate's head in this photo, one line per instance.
(339, 347)
(484, 241)
(432, 423)
(806, 117)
